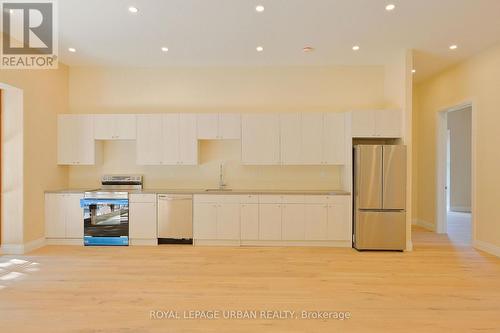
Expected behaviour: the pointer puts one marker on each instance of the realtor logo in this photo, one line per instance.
(29, 35)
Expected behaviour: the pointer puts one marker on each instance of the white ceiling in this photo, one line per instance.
(226, 32)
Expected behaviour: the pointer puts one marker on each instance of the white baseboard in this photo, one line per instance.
(487, 247)
(64, 241)
(23, 248)
(460, 209)
(424, 224)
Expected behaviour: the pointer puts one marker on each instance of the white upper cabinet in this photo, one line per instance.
(376, 123)
(334, 145)
(260, 139)
(312, 140)
(168, 139)
(290, 124)
(114, 127)
(75, 140)
(149, 141)
(219, 126)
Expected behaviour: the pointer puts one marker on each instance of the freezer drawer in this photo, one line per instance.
(377, 230)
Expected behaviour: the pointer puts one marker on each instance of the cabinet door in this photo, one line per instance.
(171, 139)
(205, 221)
(292, 222)
(55, 225)
(188, 142)
(339, 220)
(74, 216)
(311, 145)
(290, 138)
(230, 126)
(208, 126)
(334, 151)
(104, 127)
(142, 220)
(270, 222)
(363, 124)
(125, 128)
(249, 221)
(388, 123)
(260, 139)
(316, 222)
(149, 139)
(76, 145)
(228, 221)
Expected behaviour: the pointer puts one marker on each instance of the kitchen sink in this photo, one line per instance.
(218, 190)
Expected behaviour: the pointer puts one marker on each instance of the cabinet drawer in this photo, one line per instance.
(142, 198)
(217, 198)
(316, 199)
(292, 199)
(269, 199)
(339, 199)
(249, 199)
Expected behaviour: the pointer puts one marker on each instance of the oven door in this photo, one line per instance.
(105, 221)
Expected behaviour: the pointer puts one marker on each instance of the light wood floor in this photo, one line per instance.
(440, 287)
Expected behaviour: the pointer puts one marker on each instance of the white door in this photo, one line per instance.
(363, 124)
(312, 138)
(208, 126)
(334, 151)
(290, 131)
(55, 213)
(260, 139)
(249, 221)
(270, 222)
(339, 221)
(170, 145)
(388, 123)
(205, 221)
(228, 221)
(74, 216)
(142, 220)
(292, 222)
(316, 222)
(230, 126)
(188, 141)
(149, 139)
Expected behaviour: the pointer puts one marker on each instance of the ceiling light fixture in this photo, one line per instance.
(308, 49)
(259, 48)
(413, 71)
(390, 7)
(453, 47)
(133, 9)
(355, 48)
(72, 49)
(259, 8)
(164, 49)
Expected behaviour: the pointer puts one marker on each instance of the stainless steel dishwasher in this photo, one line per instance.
(175, 219)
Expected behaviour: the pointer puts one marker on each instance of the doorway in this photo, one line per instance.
(455, 173)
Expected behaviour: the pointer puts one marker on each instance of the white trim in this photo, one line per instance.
(460, 209)
(424, 224)
(298, 243)
(65, 241)
(23, 248)
(487, 247)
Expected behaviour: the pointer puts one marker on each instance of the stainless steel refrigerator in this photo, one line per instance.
(379, 197)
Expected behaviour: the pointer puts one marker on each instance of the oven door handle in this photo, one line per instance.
(84, 203)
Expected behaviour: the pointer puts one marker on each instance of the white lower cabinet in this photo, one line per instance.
(273, 219)
(142, 219)
(63, 216)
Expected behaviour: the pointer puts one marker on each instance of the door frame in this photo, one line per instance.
(441, 166)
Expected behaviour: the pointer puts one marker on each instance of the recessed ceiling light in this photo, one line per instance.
(164, 49)
(259, 48)
(133, 9)
(390, 7)
(355, 48)
(11, 11)
(453, 47)
(72, 49)
(259, 8)
(413, 71)
(308, 49)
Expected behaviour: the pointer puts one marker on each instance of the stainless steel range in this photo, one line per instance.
(106, 211)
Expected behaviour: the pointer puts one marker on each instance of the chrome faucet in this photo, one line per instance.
(222, 185)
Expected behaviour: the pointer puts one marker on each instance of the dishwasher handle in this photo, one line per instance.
(167, 197)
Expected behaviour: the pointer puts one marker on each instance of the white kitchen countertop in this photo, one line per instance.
(203, 191)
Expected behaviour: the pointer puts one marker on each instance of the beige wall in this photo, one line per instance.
(459, 124)
(476, 80)
(45, 95)
(261, 89)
